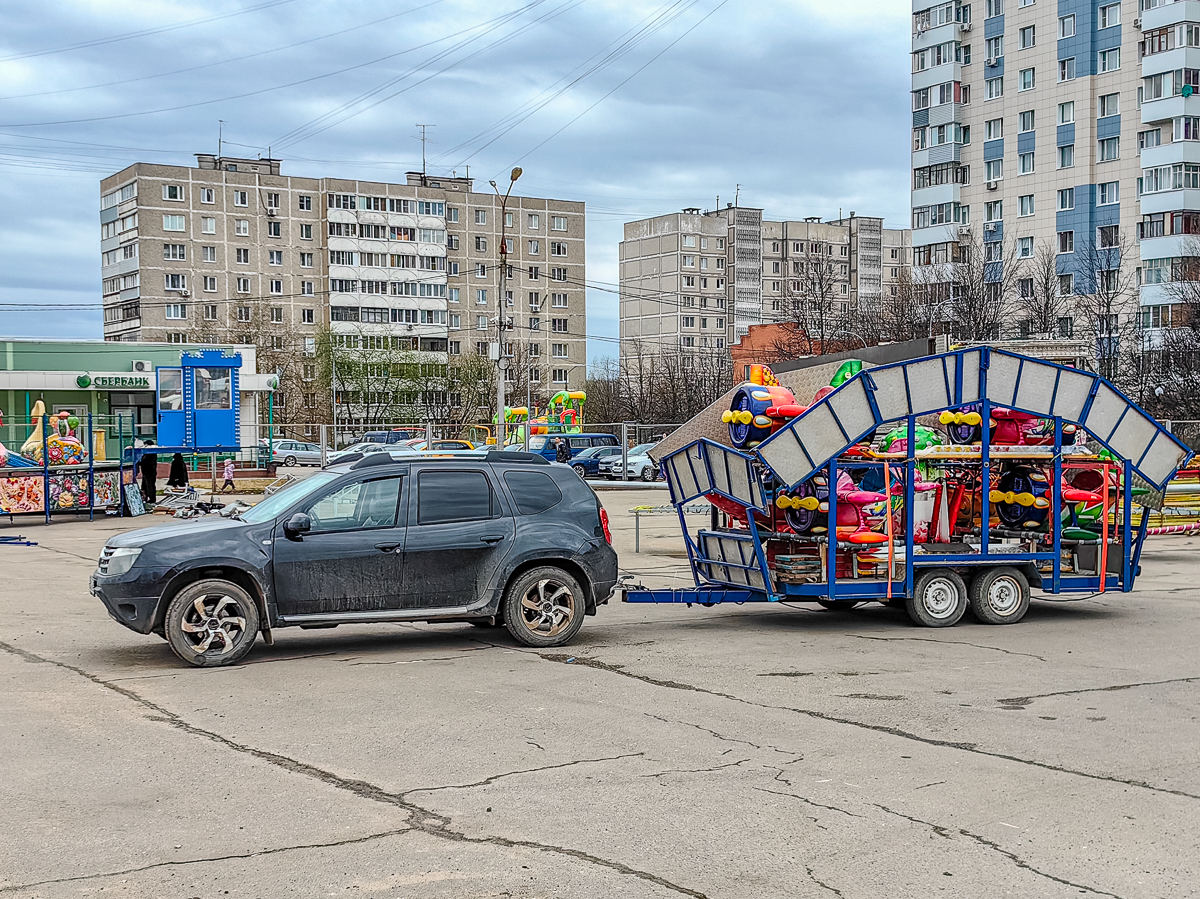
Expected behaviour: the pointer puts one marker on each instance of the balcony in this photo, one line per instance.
(1171, 14)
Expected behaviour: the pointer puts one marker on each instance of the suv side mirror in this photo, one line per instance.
(298, 524)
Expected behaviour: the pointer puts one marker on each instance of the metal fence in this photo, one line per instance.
(1187, 431)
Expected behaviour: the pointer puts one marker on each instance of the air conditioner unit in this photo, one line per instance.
(964, 231)
(145, 366)
(992, 62)
(185, 293)
(1137, 24)
(965, 26)
(992, 185)
(408, 327)
(272, 211)
(990, 226)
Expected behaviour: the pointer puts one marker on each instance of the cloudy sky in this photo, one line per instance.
(636, 108)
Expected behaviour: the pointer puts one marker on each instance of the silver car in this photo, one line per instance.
(294, 452)
(611, 467)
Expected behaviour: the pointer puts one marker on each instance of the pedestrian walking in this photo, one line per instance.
(148, 469)
(228, 474)
(178, 476)
(562, 452)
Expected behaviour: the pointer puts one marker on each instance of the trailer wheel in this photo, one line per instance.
(999, 596)
(939, 599)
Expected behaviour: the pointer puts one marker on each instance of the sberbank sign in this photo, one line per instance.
(114, 382)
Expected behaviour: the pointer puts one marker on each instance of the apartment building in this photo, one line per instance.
(1058, 125)
(697, 280)
(234, 246)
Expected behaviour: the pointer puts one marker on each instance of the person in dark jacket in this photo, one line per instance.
(148, 469)
(562, 452)
(179, 474)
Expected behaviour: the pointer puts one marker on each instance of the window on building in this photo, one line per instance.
(1066, 199)
(1109, 192)
(275, 257)
(174, 223)
(306, 260)
(995, 88)
(210, 312)
(306, 316)
(995, 47)
(1025, 37)
(176, 337)
(241, 227)
(243, 285)
(534, 221)
(480, 270)
(480, 244)
(1149, 138)
(993, 211)
(481, 216)
(995, 8)
(1110, 236)
(241, 198)
(1066, 112)
(1026, 205)
(243, 255)
(1025, 80)
(174, 251)
(1024, 247)
(1025, 163)
(993, 129)
(1109, 60)
(274, 229)
(1108, 149)
(1066, 68)
(1025, 120)
(1066, 26)
(210, 284)
(993, 169)
(481, 297)
(535, 273)
(1110, 104)
(305, 202)
(276, 285)
(1110, 15)
(558, 223)
(559, 325)
(1066, 241)
(208, 225)
(175, 281)
(1066, 156)
(176, 310)
(535, 247)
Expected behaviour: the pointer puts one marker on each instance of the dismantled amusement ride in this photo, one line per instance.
(941, 483)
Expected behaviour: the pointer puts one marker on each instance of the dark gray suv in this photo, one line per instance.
(484, 537)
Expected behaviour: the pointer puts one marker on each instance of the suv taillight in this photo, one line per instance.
(604, 524)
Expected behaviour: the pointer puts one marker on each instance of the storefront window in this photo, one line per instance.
(170, 390)
(213, 388)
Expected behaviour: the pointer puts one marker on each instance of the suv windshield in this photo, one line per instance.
(277, 502)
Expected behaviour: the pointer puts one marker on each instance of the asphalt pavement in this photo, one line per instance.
(749, 751)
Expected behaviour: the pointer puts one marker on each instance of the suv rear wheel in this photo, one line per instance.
(544, 607)
(211, 623)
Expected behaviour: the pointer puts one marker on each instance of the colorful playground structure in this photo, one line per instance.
(563, 415)
(887, 487)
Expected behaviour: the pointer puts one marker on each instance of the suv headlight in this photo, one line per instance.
(120, 560)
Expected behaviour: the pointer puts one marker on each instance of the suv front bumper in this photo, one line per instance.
(131, 598)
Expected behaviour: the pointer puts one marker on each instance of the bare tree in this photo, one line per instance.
(603, 388)
(983, 286)
(1040, 302)
(810, 308)
(1106, 299)
(906, 314)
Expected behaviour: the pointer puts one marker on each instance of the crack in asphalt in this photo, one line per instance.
(174, 863)
(422, 819)
(807, 801)
(1011, 652)
(864, 725)
(695, 770)
(796, 756)
(989, 844)
(487, 781)
(813, 877)
(1025, 700)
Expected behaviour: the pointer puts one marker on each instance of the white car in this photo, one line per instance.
(641, 466)
(611, 467)
(396, 449)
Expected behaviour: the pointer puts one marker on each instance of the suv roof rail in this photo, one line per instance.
(524, 458)
(366, 461)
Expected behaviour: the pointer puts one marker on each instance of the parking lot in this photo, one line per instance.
(730, 752)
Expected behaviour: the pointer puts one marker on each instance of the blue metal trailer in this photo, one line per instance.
(989, 567)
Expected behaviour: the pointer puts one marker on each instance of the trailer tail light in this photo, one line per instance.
(604, 524)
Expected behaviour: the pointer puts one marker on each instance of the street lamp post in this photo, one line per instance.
(500, 275)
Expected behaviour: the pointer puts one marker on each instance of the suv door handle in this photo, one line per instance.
(492, 538)
(387, 547)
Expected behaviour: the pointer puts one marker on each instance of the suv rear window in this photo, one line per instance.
(532, 491)
(453, 496)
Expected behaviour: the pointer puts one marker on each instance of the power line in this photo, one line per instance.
(209, 65)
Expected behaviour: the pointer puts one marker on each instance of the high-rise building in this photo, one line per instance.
(234, 246)
(1055, 134)
(696, 281)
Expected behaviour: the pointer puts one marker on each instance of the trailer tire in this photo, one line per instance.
(999, 596)
(939, 598)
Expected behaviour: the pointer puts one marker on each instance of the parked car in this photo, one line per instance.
(293, 452)
(441, 446)
(643, 467)
(543, 444)
(484, 537)
(396, 435)
(587, 463)
(611, 468)
(396, 449)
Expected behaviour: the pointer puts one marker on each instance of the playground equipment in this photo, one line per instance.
(918, 521)
(563, 415)
(61, 444)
